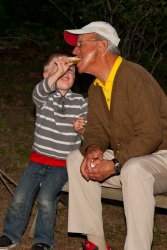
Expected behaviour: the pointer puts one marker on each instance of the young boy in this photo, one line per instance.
(59, 124)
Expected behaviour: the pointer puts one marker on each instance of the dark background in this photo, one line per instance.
(33, 29)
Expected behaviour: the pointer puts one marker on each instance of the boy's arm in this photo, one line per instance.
(45, 87)
(41, 92)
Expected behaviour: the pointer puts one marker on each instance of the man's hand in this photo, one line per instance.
(94, 167)
(92, 153)
(101, 170)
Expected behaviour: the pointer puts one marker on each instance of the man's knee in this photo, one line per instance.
(133, 168)
(74, 158)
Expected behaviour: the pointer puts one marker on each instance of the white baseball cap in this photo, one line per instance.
(102, 28)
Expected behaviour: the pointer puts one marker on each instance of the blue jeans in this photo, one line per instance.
(45, 182)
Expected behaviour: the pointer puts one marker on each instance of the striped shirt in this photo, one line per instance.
(54, 134)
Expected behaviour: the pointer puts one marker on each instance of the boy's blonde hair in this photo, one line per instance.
(50, 60)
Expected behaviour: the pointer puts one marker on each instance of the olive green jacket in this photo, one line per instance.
(136, 124)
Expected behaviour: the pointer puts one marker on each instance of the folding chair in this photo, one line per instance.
(6, 179)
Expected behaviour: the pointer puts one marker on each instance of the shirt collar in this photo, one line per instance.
(110, 77)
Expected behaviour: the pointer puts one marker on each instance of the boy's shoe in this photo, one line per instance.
(41, 246)
(6, 243)
(88, 245)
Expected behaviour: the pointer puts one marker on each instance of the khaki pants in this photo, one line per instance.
(140, 178)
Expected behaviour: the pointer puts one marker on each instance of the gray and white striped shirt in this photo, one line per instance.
(54, 134)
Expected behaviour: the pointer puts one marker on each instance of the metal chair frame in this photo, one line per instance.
(6, 179)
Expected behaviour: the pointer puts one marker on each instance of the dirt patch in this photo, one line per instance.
(114, 225)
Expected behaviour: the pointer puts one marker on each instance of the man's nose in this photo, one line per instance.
(75, 50)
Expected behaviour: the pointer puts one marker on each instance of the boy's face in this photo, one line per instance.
(66, 81)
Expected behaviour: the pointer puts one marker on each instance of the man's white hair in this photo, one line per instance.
(111, 47)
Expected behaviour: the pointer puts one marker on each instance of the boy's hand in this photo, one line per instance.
(61, 66)
(79, 125)
(58, 68)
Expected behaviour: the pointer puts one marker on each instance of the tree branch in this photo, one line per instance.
(62, 12)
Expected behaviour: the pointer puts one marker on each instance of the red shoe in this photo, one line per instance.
(88, 245)
(108, 247)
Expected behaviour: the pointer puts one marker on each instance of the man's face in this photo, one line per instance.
(86, 49)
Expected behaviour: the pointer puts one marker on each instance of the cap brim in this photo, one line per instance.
(71, 36)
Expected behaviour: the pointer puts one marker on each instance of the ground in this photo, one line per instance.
(114, 225)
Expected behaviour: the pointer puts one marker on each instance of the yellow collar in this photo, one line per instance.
(108, 85)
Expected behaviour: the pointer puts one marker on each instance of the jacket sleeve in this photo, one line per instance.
(145, 122)
(95, 132)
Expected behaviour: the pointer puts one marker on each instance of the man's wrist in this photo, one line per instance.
(89, 148)
(117, 166)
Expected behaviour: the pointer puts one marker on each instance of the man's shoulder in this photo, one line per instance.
(131, 71)
(132, 66)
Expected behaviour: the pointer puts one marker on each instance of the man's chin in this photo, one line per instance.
(80, 68)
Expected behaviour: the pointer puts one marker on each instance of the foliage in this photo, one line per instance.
(141, 25)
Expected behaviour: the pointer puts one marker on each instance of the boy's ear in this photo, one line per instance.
(45, 74)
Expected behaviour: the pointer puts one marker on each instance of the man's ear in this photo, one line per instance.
(45, 74)
(103, 47)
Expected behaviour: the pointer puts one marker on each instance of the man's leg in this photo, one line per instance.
(142, 177)
(85, 208)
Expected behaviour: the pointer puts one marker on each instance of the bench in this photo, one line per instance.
(116, 195)
(108, 193)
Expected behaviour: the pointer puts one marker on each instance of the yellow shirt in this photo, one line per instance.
(108, 85)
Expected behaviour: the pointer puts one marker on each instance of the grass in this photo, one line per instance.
(18, 75)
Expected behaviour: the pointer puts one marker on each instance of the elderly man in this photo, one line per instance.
(125, 143)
